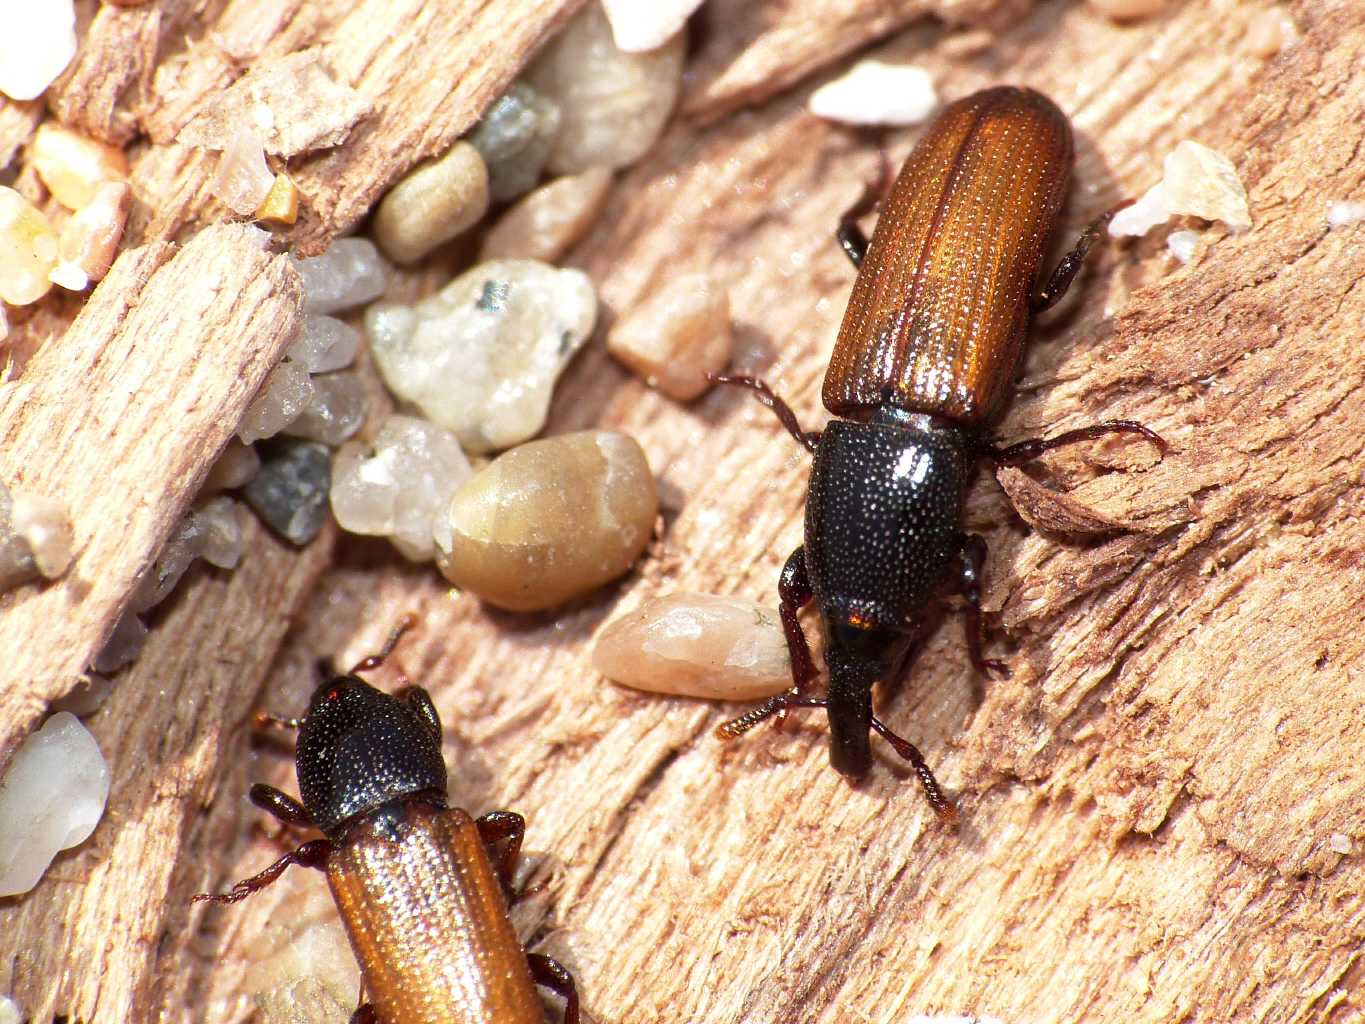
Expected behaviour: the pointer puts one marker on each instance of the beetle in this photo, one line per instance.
(421, 887)
(924, 361)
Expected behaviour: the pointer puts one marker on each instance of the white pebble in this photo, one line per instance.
(396, 486)
(873, 92)
(242, 180)
(325, 344)
(1195, 180)
(1181, 244)
(36, 45)
(1341, 213)
(1340, 842)
(1271, 31)
(219, 521)
(91, 236)
(336, 412)
(696, 645)
(10, 1012)
(433, 203)
(481, 356)
(613, 105)
(350, 273)
(45, 527)
(28, 250)
(676, 336)
(283, 397)
(51, 799)
(637, 26)
(69, 276)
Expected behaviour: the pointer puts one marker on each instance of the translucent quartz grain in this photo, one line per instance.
(481, 356)
(676, 336)
(398, 484)
(613, 104)
(90, 237)
(696, 645)
(236, 464)
(28, 250)
(335, 412)
(433, 203)
(350, 273)
(546, 223)
(72, 165)
(242, 180)
(283, 397)
(550, 520)
(325, 343)
(1197, 181)
(51, 798)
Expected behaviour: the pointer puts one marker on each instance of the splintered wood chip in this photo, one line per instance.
(292, 104)
(1052, 511)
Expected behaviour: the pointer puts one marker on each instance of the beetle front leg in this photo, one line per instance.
(502, 832)
(1051, 293)
(972, 559)
(310, 855)
(794, 592)
(1028, 450)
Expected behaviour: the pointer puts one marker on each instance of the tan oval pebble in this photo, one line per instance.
(28, 250)
(676, 336)
(696, 645)
(544, 224)
(549, 520)
(91, 236)
(72, 165)
(434, 203)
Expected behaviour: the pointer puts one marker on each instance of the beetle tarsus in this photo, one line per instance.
(809, 439)
(550, 973)
(787, 700)
(938, 800)
(1065, 272)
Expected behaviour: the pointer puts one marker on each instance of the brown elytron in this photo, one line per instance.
(425, 913)
(939, 311)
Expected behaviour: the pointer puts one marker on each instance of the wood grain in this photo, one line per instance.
(1153, 802)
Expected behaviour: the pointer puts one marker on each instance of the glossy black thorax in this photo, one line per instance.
(883, 517)
(360, 748)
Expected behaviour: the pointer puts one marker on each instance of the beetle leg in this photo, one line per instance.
(310, 855)
(1065, 272)
(280, 805)
(375, 660)
(1027, 451)
(551, 974)
(793, 587)
(263, 719)
(942, 806)
(502, 832)
(365, 1014)
(973, 559)
(787, 700)
(850, 235)
(808, 438)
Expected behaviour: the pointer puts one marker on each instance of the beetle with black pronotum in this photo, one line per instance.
(421, 887)
(924, 362)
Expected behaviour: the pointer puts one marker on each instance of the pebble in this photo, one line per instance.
(614, 105)
(1124, 10)
(281, 203)
(182, 547)
(312, 978)
(435, 202)
(396, 485)
(242, 180)
(1271, 31)
(481, 356)
(283, 397)
(35, 539)
(10, 1013)
(91, 236)
(550, 520)
(86, 697)
(336, 412)
(696, 645)
(515, 138)
(1182, 244)
(1197, 181)
(220, 520)
(325, 343)
(37, 44)
(235, 466)
(125, 643)
(350, 273)
(290, 491)
(873, 92)
(676, 336)
(1340, 842)
(1342, 213)
(28, 250)
(51, 798)
(637, 27)
(546, 223)
(72, 165)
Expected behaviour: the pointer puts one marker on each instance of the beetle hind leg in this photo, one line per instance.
(550, 973)
(972, 562)
(1028, 450)
(1065, 272)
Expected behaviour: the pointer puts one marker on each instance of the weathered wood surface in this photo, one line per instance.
(1150, 802)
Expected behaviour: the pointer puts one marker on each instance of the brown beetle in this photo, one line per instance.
(925, 359)
(421, 887)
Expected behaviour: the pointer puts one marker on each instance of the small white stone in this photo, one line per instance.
(1197, 181)
(873, 92)
(481, 356)
(1270, 31)
(397, 485)
(1181, 244)
(37, 43)
(1340, 842)
(219, 521)
(696, 645)
(613, 105)
(10, 1012)
(1341, 213)
(242, 180)
(46, 528)
(336, 411)
(69, 276)
(28, 250)
(283, 397)
(637, 26)
(51, 799)
(350, 273)
(325, 344)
